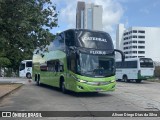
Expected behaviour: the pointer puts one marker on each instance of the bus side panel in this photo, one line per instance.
(131, 73)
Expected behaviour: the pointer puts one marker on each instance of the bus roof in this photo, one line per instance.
(88, 30)
(25, 60)
(131, 59)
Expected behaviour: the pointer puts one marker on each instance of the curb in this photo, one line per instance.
(1, 97)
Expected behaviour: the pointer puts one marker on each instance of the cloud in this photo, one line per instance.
(144, 11)
(112, 13)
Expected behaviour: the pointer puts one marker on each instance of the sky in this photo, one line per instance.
(145, 13)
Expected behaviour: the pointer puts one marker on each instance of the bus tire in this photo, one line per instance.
(62, 85)
(138, 81)
(125, 78)
(28, 75)
(38, 80)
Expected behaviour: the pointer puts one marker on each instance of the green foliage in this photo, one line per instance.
(24, 26)
(157, 71)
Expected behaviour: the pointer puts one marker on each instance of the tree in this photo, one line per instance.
(24, 26)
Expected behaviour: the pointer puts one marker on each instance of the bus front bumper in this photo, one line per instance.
(91, 87)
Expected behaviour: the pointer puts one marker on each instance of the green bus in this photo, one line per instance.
(78, 60)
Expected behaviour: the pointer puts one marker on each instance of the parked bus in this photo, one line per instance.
(25, 69)
(78, 60)
(137, 69)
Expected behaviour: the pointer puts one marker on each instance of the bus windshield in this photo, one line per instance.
(146, 63)
(96, 65)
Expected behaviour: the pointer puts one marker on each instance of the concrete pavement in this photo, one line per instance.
(9, 84)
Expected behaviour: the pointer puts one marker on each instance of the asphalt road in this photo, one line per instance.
(127, 97)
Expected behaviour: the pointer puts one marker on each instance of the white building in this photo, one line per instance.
(89, 16)
(138, 42)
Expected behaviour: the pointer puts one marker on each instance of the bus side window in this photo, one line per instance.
(28, 64)
(61, 68)
(51, 65)
(57, 66)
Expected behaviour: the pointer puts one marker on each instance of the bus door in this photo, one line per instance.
(22, 72)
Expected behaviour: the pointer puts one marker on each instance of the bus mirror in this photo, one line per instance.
(122, 54)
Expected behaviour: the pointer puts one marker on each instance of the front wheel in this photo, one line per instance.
(63, 88)
(125, 79)
(28, 75)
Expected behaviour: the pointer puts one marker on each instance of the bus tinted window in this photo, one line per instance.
(97, 40)
(28, 64)
(126, 64)
(69, 38)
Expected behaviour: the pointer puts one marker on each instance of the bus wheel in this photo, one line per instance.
(28, 75)
(138, 81)
(125, 78)
(63, 89)
(38, 80)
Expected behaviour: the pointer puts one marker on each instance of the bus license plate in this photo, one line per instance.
(98, 89)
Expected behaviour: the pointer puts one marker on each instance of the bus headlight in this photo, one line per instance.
(82, 81)
(112, 81)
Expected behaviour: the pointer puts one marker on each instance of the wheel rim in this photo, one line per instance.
(125, 79)
(63, 87)
(29, 75)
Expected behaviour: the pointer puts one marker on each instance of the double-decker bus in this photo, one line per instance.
(25, 68)
(78, 60)
(137, 69)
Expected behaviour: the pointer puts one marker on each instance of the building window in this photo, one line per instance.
(126, 33)
(134, 31)
(134, 36)
(130, 32)
(125, 48)
(141, 56)
(89, 18)
(141, 42)
(141, 31)
(125, 43)
(126, 52)
(130, 37)
(134, 41)
(134, 57)
(125, 38)
(141, 36)
(141, 52)
(134, 46)
(135, 52)
(141, 47)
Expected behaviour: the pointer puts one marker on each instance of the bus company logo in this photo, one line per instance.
(97, 52)
(94, 39)
(6, 114)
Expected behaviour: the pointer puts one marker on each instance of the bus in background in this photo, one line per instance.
(25, 69)
(137, 69)
(78, 60)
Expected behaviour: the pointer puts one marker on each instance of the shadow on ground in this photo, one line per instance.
(71, 93)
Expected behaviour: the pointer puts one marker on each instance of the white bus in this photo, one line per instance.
(137, 69)
(25, 69)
